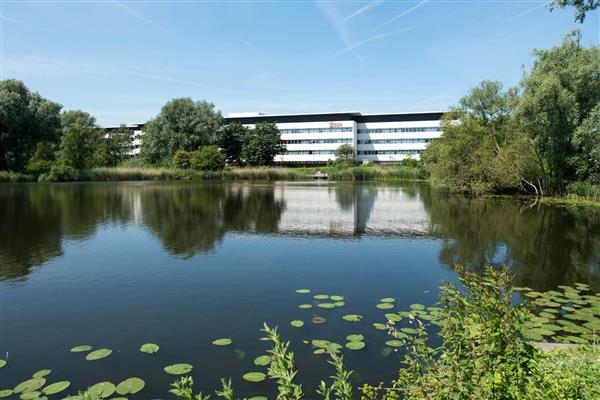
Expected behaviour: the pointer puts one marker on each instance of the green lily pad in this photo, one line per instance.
(320, 343)
(394, 343)
(319, 351)
(305, 306)
(30, 385)
(410, 331)
(79, 349)
(98, 354)
(333, 347)
(297, 323)
(254, 376)
(130, 386)
(222, 342)
(5, 393)
(321, 297)
(384, 306)
(393, 317)
(101, 390)
(30, 395)
(318, 320)
(303, 291)
(41, 373)
(56, 387)
(178, 369)
(2, 363)
(533, 294)
(379, 326)
(352, 317)
(387, 300)
(326, 305)
(258, 398)
(339, 304)
(355, 338)
(355, 345)
(262, 361)
(337, 298)
(149, 348)
(417, 306)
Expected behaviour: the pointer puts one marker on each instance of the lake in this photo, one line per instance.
(116, 265)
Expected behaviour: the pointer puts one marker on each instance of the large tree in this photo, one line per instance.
(115, 147)
(582, 7)
(231, 142)
(181, 124)
(26, 118)
(263, 143)
(559, 94)
(80, 140)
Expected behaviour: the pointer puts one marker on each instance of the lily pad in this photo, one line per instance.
(355, 338)
(393, 317)
(384, 306)
(222, 342)
(258, 398)
(79, 349)
(178, 369)
(98, 354)
(303, 291)
(297, 323)
(336, 298)
(417, 307)
(56, 387)
(254, 376)
(410, 331)
(30, 385)
(388, 300)
(352, 317)
(130, 386)
(355, 345)
(101, 390)
(30, 395)
(149, 348)
(394, 343)
(321, 297)
(5, 393)
(339, 304)
(2, 363)
(305, 306)
(318, 320)
(326, 305)
(379, 326)
(41, 373)
(262, 361)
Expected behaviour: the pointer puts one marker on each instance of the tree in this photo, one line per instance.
(263, 143)
(26, 118)
(114, 148)
(586, 159)
(80, 140)
(181, 124)
(208, 158)
(181, 159)
(231, 142)
(560, 92)
(42, 159)
(581, 6)
(345, 152)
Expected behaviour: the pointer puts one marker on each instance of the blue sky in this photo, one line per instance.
(122, 60)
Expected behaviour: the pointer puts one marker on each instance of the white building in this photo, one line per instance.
(314, 137)
(136, 132)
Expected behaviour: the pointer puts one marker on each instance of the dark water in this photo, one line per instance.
(180, 264)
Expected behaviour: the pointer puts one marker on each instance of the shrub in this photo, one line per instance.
(208, 158)
(409, 162)
(584, 189)
(345, 152)
(60, 173)
(181, 159)
(42, 159)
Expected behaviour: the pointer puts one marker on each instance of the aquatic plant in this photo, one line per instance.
(340, 388)
(282, 368)
(183, 389)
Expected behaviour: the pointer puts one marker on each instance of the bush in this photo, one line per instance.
(584, 189)
(42, 159)
(12, 177)
(409, 162)
(208, 158)
(181, 159)
(60, 173)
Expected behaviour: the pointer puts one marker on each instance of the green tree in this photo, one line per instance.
(80, 140)
(208, 158)
(181, 159)
(114, 148)
(263, 143)
(345, 152)
(582, 7)
(181, 124)
(26, 118)
(231, 142)
(42, 159)
(586, 140)
(558, 95)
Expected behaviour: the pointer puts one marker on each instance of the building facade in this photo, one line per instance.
(136, 132)
(314, 138)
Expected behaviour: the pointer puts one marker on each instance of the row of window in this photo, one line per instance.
(381, 152)
(393, 141)
(316, 130)
(401, 130)
(309, 152)
(317, 141)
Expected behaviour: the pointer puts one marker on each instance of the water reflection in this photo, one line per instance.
(546, 246)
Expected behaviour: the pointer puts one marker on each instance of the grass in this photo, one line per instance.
(11, 177)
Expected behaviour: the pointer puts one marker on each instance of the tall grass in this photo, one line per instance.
(10, 177)
(584, 190)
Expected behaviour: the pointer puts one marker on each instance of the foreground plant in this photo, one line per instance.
(183, 389)
(341, 388)
(282, 368)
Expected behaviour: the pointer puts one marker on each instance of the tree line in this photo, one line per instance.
(541, 137)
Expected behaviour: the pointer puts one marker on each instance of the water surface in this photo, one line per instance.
(180, 264)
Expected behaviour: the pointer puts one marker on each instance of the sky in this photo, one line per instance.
(122, 60)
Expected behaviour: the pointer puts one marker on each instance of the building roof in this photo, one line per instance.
(245, 118)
